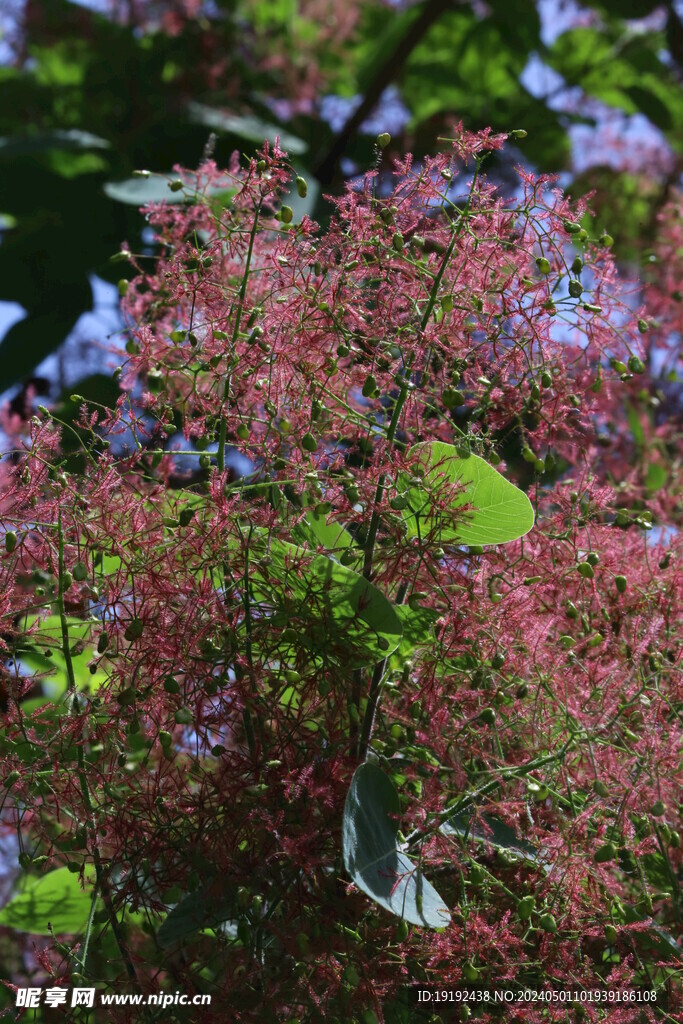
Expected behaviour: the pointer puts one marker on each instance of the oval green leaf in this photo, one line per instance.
(497, 511)
(55, 899)
(342, 607)
(373, 859)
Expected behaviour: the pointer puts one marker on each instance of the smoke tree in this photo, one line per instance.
(341, 654)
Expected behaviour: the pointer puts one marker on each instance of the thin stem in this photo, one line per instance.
(386, 72)
(102, 881)
(378, 677)
(220, 454)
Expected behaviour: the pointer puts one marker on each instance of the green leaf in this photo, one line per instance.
(12, 147)
(245, 126)
(332, 535)
(49, 632)
(653, 935)
(140, 191)
(417, 629)
(54, 899)
(656, 477)
(499, 512)
(651, 105)
(196, 911)
(333, 606)
(373, 859)
(489, 829)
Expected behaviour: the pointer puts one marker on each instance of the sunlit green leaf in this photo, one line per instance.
(55, 899)
(497, 511)
(245, 126)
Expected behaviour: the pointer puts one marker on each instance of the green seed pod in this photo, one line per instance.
(644, 905)
(286, 214)
(242, 432)
(548, 923)
(308, 442)
(600, 789)
(103, 642)
(218, 750)
(451, 398)
(675, 839)
(611, 933)
(522, 691)
(620, 583)
(658, 809)
(134, 630)
(370, 387)
(402, 930)
(586, 570)
(575, 289)
(11, 779)
(127, 696)
(171, 685)
(577, 265)
(470, 972)
(10, 541)
(123, 286)
(204, 461)
(447, 303)
(546, 379)
(183, 716)
(518, 133)
(605, 853)
(476, 874)
(383, 140)
(571, 227)
(636, 365)
(606, 240)
(593, 557)
(526, 907)
(529, 581)
(617, 365)
(643, 326)
(488, 716)
(67, 580)
(543, 264)
(175, 185)
(398, 503)
(528, 455)
(301, 187)
(397, 241)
